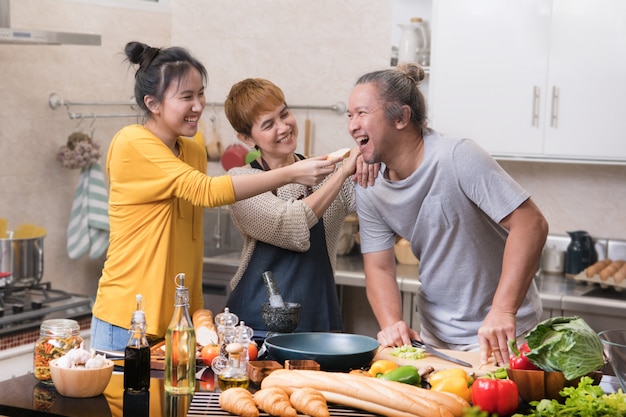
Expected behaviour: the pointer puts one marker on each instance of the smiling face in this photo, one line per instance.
(180, 110)
(276, 134)
(367, 123)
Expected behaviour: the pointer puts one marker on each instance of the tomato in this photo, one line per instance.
(207, 380)
(208, 353)
(500, 396)
(253, 351)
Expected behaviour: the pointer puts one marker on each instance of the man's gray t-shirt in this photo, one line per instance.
(449, 209)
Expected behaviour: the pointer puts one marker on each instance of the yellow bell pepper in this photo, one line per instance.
(382, 366)
(454, 380)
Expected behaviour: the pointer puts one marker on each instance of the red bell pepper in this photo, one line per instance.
(519, 360)
(499, 396)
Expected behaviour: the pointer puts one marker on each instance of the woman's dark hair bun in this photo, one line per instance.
(140, 53)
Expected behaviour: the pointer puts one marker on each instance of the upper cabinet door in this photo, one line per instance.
(536, 78)
(587, 72)
(488, 70)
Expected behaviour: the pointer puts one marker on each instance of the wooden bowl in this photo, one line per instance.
(537, 385)
(258, 370)
(80, 382)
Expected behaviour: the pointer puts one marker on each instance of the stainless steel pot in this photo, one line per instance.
(21, 261)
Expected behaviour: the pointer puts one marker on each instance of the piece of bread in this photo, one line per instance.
(206, 333)
(238, 401)
(274, 401)
(339, 153)
(389, 398)
(309, 401)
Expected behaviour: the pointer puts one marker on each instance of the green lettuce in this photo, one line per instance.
(565, 344)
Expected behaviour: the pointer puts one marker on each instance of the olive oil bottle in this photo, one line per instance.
(180, 345)
(234, 375)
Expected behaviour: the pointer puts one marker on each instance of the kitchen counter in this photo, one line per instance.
(601, 308)
(26, 397)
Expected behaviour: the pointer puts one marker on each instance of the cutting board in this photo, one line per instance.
(439, 364)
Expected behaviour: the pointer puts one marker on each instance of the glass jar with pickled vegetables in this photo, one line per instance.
(56, 338)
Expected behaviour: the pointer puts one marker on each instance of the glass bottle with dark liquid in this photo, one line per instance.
(137, 353)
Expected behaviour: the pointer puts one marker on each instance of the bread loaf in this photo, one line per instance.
(206, 333)
(369, 394)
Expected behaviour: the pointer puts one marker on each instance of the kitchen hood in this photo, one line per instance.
(9, 35)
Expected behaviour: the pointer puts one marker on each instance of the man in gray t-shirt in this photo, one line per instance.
(476, 232)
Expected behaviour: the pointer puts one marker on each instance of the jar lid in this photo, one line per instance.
(59, 326)
(416, 19)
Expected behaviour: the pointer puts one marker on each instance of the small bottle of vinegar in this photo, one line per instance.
(137, 353)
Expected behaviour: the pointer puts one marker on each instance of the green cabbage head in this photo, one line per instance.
(565, 344)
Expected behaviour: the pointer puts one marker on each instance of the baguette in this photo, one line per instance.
(333, 397)
(238, 401)
(342, 153)
(367, 391)
(206, 333)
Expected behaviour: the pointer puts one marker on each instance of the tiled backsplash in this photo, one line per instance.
(613, 249)
(30, 336)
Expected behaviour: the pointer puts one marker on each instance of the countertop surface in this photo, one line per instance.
(26, 397)
(557, 291)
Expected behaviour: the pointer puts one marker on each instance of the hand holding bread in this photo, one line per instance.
(342, 153)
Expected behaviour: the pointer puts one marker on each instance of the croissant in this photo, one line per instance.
(274, 401)
(310, 401)
(238, 401)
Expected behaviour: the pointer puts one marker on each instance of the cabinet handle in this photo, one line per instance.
(536, 96)
(555, 107)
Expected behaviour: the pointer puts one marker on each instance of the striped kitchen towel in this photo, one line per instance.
(88, 229)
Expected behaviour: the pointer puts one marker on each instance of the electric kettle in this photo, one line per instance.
(580, 252)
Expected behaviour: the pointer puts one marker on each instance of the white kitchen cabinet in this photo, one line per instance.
(538, 78)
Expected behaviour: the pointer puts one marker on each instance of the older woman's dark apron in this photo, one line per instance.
(302, 277)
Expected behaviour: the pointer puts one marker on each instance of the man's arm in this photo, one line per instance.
(384, 297)
(528, 230)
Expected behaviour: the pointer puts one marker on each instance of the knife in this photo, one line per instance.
(432, 351)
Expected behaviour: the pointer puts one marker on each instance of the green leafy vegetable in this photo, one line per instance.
(586, 400)
(565, 344)
(407, 352)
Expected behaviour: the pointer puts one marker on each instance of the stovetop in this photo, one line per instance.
(25, 308)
